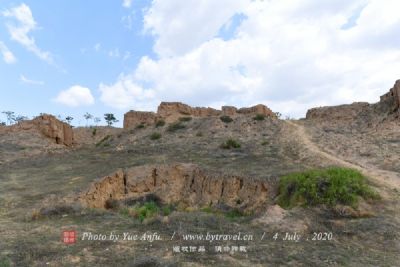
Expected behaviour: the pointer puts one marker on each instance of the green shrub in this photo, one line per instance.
(226, 119)
(160, 123)
(329, 186)
(175, 126)
(264, 143)
(183, 119)
(259, 117)
(102, 141)
(94, 131)
(141, 126)
(147, 210)
(230, 143)
(155, 136)
(199, 134)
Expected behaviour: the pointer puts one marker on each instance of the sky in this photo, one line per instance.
(69, 57)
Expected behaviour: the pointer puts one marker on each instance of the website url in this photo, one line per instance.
(217, 237)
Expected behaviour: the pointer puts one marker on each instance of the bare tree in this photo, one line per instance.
(88, 117)
(96, 120)
(10, 116)
(20, 118)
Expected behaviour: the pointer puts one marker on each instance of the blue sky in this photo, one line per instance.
(69, 57)
(88, 45)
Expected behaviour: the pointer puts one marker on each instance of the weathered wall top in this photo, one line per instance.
(172, 111)
(49, 126)
(389, 103)
(392, 98)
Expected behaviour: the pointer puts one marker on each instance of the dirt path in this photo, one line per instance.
(390, 180)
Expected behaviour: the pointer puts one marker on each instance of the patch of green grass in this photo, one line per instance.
(259, 117)
(226, 119)
(155, 136)
(234, 214)
(4, 262)
(328, 186)
(175, 127)
(207, 209)
(124, 211)
(184, 119)
(102, 141)
(230, 143)
(160, 123)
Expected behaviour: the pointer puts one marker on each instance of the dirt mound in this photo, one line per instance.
(342, 112)
(178, 183)
(388, 108)
(49, 126)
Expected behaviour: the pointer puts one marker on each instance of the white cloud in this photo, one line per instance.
(97, 47)
(19, 31)
(127, 3)
(8, 56)
(114, 53)
(75, 96)
(288, 54)
(29, 81)
(180, 27)
(125, 93)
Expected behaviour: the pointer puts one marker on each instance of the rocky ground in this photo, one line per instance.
(36, 176)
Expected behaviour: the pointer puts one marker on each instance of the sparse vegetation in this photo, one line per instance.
(102, 141)
(141, 126)
(185, 119)
(20, 118)
(230, 143)
(329, 186)
(259, 117)
(234, 214)
(264, 143)
(4, 262)
(155, 136)
(160, 123)
(10, 116)
(207, 209)
(199, 134)
(175, 127)
(146, 210)
(166, 210)
(94, 131)
(87, 117)
(226, 119)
